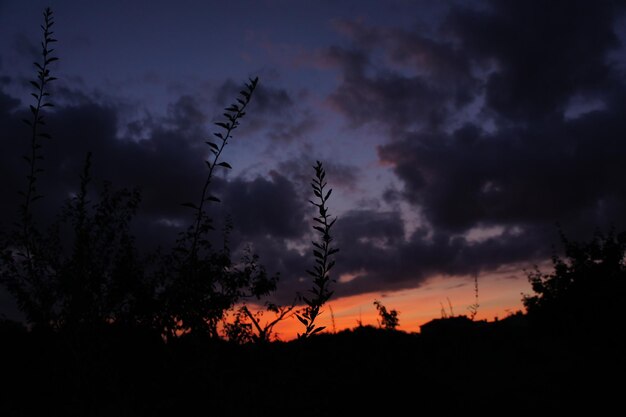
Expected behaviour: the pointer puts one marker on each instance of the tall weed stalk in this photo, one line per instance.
(23, 270)
(323, 254)
(233, 114)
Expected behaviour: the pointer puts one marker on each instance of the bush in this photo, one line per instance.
(586, 290)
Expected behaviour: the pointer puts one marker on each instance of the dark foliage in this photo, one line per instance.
(586, 290)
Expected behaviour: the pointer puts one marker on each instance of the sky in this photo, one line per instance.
(457, 136)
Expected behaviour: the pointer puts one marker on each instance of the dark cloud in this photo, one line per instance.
(278, 114)
(434, 55)
(26, 48)
(266, 207)
(266, 99)
(567, 172)
(10, 163)
(7, 103)
(525, 66)
(300, 171)
(369, 244)
(168, 167)
(288, 130)
(376, 257)
(270, 100)
(391, 99)
(539, 167)
(186, 114)
(543, 51)
(433, 78)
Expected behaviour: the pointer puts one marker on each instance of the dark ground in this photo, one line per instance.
(505, 368)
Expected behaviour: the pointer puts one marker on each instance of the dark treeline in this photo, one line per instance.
(111, 331)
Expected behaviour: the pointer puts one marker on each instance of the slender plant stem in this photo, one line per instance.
(233, 122)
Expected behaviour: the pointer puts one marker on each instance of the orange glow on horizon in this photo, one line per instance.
(499, 294)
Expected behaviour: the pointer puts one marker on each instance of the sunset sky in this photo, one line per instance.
(456, 135)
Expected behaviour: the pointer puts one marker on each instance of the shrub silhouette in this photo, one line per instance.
(98, 273)
(586, 291)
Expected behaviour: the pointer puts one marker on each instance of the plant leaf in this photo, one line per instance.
(212, 145)
(318, 329)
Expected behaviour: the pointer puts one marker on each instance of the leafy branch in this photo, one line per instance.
(389, 318)
(322, 252)
(233, 115)
(264, 332)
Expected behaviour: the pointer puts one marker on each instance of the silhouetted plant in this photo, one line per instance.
(445, 313)
(359, 322)
(586, 288)
(201, 283)
(233, 115)
(323, 252)
(24, 271)
(100, 276)
(41, 96)
(262, 333)
(88, 264)
(473, 309)
(388, 318)
(238, 329)
(332, 318)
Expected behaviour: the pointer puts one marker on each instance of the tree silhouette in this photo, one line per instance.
(586, 290)
(100, 276)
